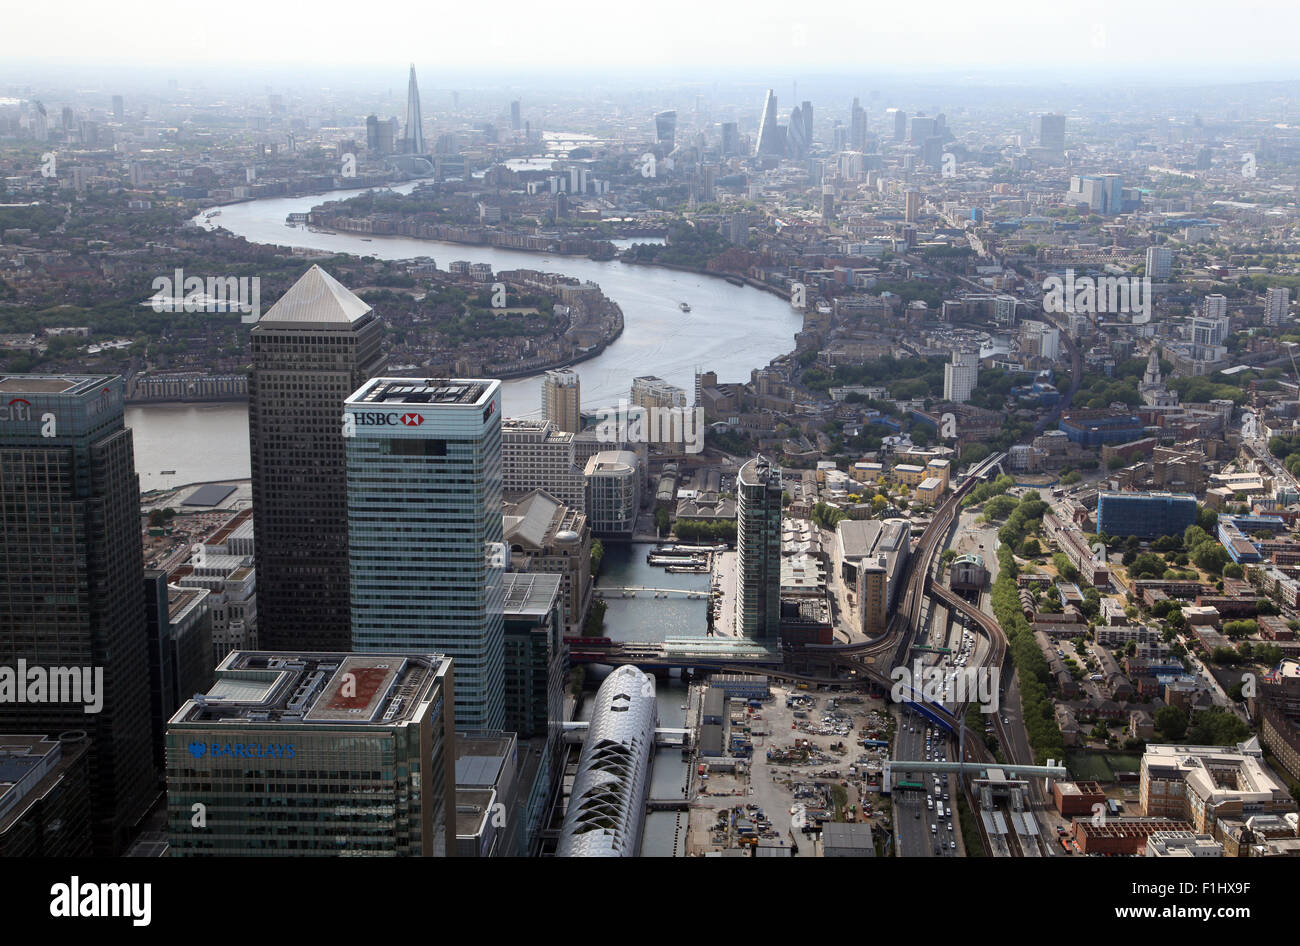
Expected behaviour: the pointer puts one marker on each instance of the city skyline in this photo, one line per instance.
(1111, 37)
(950, 508)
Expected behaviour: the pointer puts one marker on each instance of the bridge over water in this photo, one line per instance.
(606, 591)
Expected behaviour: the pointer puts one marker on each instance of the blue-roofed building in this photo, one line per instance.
(1145, 515)
(1234, 532)
(1095, 428)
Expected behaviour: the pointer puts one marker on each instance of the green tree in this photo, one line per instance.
(1216, 727)
(1171, 721)
(1064, 567)
(1210, 556)
(595, 621)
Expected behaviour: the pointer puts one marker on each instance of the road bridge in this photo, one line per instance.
(977, 768)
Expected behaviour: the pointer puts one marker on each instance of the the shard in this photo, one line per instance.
(414, 126)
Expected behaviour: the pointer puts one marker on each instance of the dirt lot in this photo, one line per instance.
(820, 753)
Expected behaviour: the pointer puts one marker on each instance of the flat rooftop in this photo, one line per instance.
(530, 595)
(254, 687)
(481, 755)
(181, 600)
(473, 805)
(50, 384)
(356, 688)
(427, 391)
(30, 766)
(211, 495)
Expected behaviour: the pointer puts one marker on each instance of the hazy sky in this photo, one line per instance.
(1179, 38)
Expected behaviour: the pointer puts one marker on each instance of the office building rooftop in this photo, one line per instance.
(273, 687)
(530, 595)
(49, 384)
(317, 298)
(428, 391)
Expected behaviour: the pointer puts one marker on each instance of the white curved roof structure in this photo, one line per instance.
(606, 810)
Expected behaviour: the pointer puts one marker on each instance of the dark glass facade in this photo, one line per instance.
(74, 573)
(302, 372)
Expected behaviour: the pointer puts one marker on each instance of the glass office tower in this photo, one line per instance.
(425, 530)
(315, 755)
(758, 550)
(310, 351)
(73, 589)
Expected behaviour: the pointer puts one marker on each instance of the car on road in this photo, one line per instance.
(952, 845)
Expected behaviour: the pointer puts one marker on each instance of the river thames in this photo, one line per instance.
(730, 329)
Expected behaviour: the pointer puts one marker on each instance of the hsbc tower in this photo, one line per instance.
(425, 531)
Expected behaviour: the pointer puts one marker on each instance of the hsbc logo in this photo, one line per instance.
(381, 419)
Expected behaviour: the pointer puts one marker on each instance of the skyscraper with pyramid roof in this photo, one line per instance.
(313, 348)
